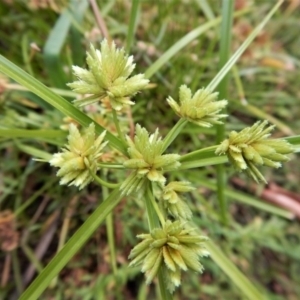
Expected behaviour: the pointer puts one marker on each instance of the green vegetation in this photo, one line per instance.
(140, 167)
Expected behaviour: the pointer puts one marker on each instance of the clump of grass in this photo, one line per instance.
(145, 168)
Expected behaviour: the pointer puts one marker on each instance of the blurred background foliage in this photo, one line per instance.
(37, 215)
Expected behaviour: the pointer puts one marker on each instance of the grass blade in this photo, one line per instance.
(32, 133)
(249, 200)
(71, 247)
(233, 272)
(223, 72)
(225, 45)
(53, 48)
(184, 41)
(57, 101)
(132, 24)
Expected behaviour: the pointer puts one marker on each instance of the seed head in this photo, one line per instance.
(147, 160)
(108, 76)
(172, 247)
(201, 109)
(79, 157)
(251, 147)
(173, 202)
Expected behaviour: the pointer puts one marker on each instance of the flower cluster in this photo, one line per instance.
(251, 147)
(173, 247)
(201, 109)
(147, 160)
(174, 203)
(108, 77)
(79, 157)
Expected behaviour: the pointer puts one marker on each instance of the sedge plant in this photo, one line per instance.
(171, 246)
(102, 143)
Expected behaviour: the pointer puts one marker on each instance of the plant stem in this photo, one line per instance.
(233, 272)
(156, 208)
(17, 271)
(132, 24)
(199, 153)
(256, 111)
(154, 223)
(173, 133)
(104, 183)
(152, 216)
(110, 165)
(71, 247)
(63, 105)
(218, 78)
(117, 124)
(225, 44)
(110, 232)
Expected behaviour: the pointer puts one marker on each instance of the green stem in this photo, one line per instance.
(154, 223)
(225, 44)
(173, 133)
(232, 271)
(254, 110)
(17, 271)
(32, 258)
(104, 183)
(63, 105)
(110, 234)
(156, 208)
(199, 153)
(71, 207)
(110, 165)
(78, 239)
(165, 294)
(152, 216)
(17, 87)
(132, 24)
(218, 78)
(203, 162)
(117, 124)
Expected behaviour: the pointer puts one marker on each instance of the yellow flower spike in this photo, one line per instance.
(150, 259)
(175, 254)
(201, 109)
(147, 160)
(79, 157)
(168, 259)
(107, 77)
(175, 279)
(153, 272)
(251, 147)
(175, 204)
(174, 248)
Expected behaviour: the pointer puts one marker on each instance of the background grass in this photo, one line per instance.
(262, 242)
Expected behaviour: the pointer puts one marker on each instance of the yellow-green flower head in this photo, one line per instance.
(79, 157)
(251, 147)
(108, 76)
(147, 160)
(201, 109)
(172, 201)
(173, 247)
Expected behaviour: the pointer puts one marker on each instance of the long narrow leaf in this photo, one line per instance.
(71, 247)
(233, 272)
(184, 41)
(249, 200)
(223, 72)
(55, 100)
(32, 133)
